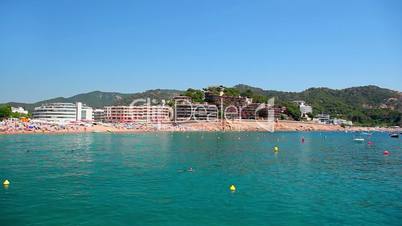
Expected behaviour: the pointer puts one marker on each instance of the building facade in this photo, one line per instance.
(231, 105)
(98, 115)
(131, 114)
(258, 111)
(323, 118)
(63, 112)
(337, 121)
(305, 109)
(184, 110)
(234, 108)
(20, 110)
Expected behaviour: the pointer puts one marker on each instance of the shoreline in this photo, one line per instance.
(232, 126)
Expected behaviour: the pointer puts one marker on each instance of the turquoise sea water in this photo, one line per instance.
(142, 179)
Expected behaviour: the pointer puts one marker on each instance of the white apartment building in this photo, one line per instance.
(63, 112)
(304, 108)
(20, 110)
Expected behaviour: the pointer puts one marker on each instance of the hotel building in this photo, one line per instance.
(232, 105)
(323, 118)
(257, 111)
(144, 113)
(98, 115)
(185, 110)
(63, 112)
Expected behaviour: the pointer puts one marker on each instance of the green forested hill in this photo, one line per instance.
(96, 99)
(155, 96)
(367, 105)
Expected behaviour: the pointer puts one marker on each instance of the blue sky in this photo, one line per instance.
(62, 48)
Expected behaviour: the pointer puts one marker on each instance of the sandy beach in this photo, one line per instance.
(43, 128)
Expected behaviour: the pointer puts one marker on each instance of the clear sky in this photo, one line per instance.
(54, 48)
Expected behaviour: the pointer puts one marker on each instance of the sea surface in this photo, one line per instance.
(146, 179)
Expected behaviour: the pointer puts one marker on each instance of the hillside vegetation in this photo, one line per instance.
(366, 105)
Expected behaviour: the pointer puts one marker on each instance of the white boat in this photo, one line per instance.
(394, 135)
(359, 139)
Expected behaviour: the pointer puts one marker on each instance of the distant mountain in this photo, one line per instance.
(156, 96)
(96, 99)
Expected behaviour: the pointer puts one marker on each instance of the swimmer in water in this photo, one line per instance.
(189, 170)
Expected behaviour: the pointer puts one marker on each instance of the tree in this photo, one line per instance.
(256, 97)
(310, 115)
(293, 110)
(196, 95)
(259, 99)
(231, 92)
(5, 111)
(248, 93)
(214, 89)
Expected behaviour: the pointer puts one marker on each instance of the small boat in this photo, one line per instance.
(359, 139)
(394, 135)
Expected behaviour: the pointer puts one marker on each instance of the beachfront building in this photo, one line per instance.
(232, 105)
(322, 119)
(84, 113)
(184, 110)
(132, 114)
(344, 122)
(201, 112)
(261, 111)
(63, 112)
(305, 109)
(98, 115)
(19, 110)
(205, 112)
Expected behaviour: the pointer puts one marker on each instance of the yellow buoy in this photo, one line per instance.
(276, 149)
(6, 182)
(232, 188)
